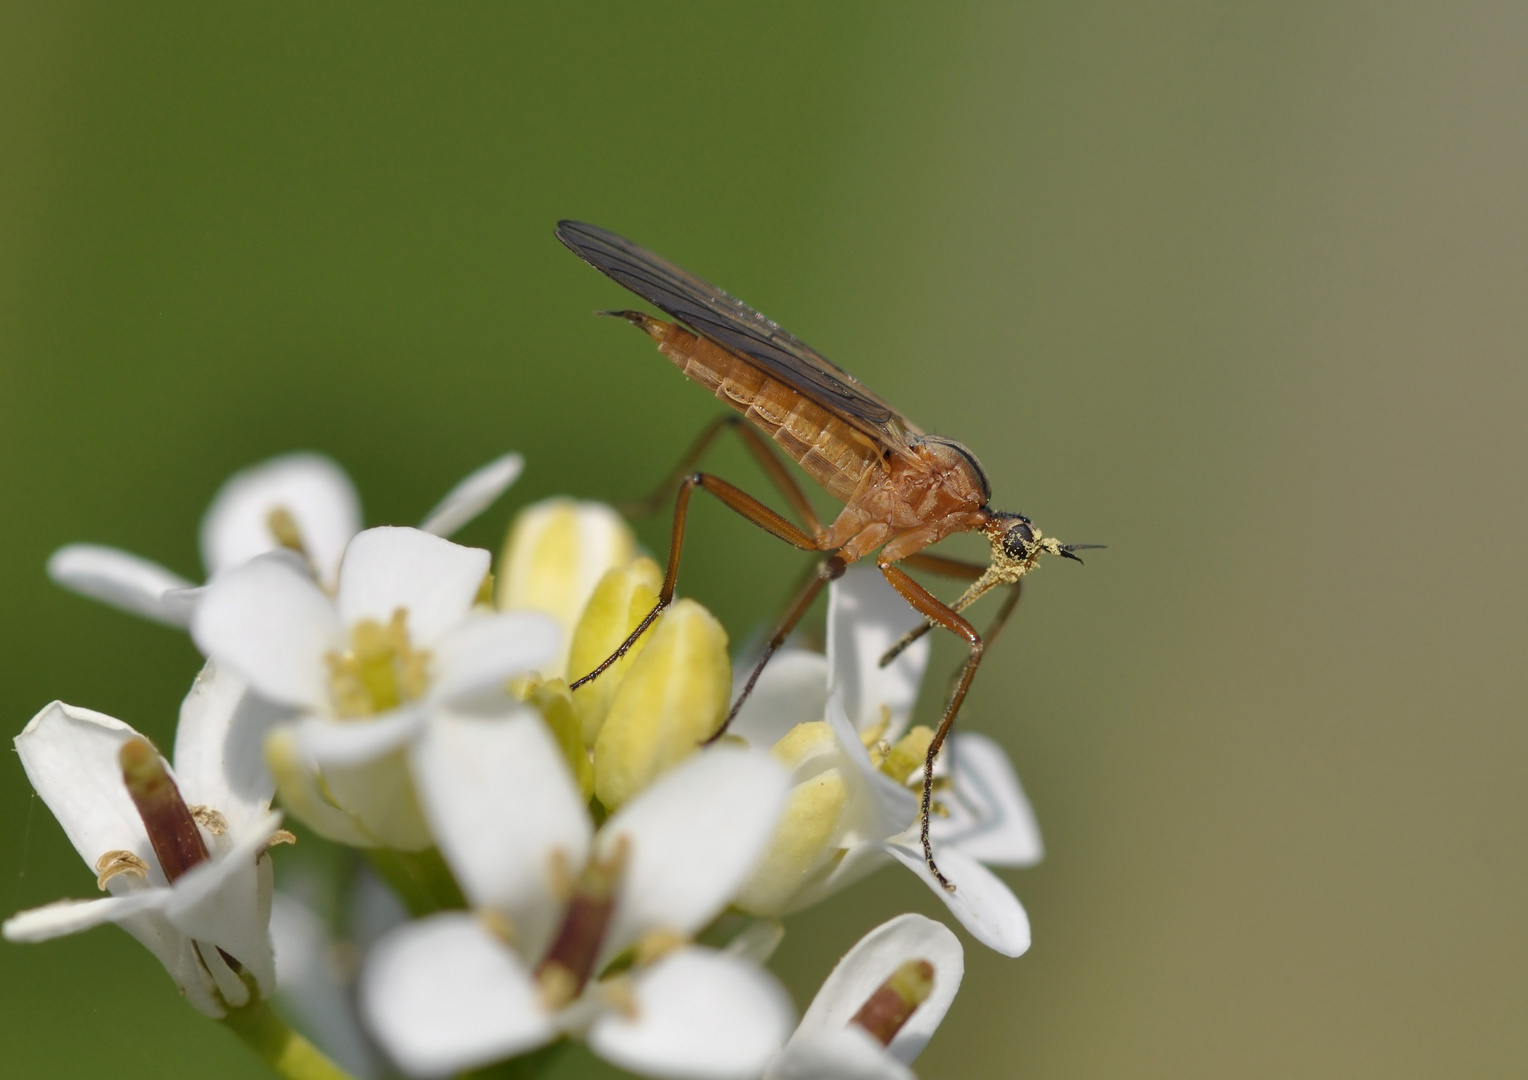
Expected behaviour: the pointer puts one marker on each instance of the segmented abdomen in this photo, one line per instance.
(834, 454)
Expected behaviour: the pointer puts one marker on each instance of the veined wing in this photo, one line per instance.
(737, 327)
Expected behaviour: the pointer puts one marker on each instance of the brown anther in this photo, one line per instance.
(568, 964)
(284, 530)
(280, 836)
(210, 819)
(656, 944)
(895, 1000)
(171, 828)
(498, 924)
(113, 863)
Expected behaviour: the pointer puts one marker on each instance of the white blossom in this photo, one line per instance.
(555, 901)
(830, 1042)
(302, 502)
(219, 906)
(846, 816)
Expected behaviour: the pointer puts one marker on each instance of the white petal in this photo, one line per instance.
(695, 836)
(313, 489)
(297, 779)
(120, 579)
(858, 861)
(178, 954)
(871, 962)
(219, 747)
(473, 495)
(793, 689)
(866, 616)
(990, 819)
(227, 902)
(268, 623)
(981, 901)
(486, 650)
(881, 807)
(757, 941)
(71, 916)
(443, 994)
(70, 756)
(349, 743)
(844, 1054)
(501, 801)
(699, 1014)
(432, 579)
(380, 796)
(311, 987)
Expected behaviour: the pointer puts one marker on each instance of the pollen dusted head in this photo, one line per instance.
(1017, 542)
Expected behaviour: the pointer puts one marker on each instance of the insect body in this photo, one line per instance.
(903, 490)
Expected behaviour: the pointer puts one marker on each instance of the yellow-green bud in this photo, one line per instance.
(673, 698)
(908, 754)
(620, 601)
(555, 554)
(556, 704)
(808, 833)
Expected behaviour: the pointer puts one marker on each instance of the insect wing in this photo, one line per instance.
(729, 322)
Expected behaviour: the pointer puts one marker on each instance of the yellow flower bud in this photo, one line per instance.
(555, 702)
(673, 698)
(555, 554)
(619, 603)
(808, 835)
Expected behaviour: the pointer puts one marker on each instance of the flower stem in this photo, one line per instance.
(421, 879)
(276, 1044)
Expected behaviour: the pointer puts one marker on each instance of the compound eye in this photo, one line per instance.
(1019, 535)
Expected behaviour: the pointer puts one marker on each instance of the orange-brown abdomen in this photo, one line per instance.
(833, 453)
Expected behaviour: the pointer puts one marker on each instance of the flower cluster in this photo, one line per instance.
(560, 864)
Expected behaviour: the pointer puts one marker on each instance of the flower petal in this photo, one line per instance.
(380, 796)
(700, 1014)
(70, 756)
(871, 962)
(271, 625)
(219, 755)
(848, 1053)
(297, 779)
(695, 836)
(473, 495)
(350, 743)
(64, 917)
(882, 806)
(487, 650)
(501, 802)
(311, 488)
(981, 901)
(432, 579)
(792, 689)
(227, 902)
(989, 817)
(866, 616)
(311, 986)
(443, 994)
(120, 579)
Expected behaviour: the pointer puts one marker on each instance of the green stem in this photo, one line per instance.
(421, 879)
(285, 1051)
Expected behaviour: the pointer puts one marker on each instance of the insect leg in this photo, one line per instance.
(735, 499)
(763, 453)
(829, 569)
(933, 609)
(992, 631)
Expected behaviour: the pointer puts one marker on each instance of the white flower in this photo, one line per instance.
(401, 638)
(303, 502)
(180, 853)
(850, 813)
(555, 902)
(879, 1006)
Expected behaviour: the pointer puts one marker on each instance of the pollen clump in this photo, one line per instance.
(113, 863)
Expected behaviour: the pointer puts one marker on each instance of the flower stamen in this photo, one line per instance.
(210, 819)
(171, 827)
(284, 530)
(380, 671)
(113, 863)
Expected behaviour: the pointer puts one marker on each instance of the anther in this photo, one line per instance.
(113, 863)
(284, 530)
(171, 828)
(211, 820)
(895, 1000)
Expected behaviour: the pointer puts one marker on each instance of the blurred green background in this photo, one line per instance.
(1238, 289)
